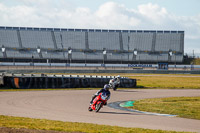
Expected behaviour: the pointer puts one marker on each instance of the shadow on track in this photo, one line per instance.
(120, 113)
(126, 91)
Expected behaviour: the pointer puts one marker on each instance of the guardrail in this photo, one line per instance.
(28, 81)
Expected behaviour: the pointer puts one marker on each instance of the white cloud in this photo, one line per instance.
(153, 12)
(110, 15)
(113, 15)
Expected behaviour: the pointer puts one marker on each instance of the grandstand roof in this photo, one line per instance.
(87, 30)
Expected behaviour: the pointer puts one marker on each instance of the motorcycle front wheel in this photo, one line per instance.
(89, 109)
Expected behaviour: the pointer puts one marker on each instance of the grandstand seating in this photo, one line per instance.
(21, 54)
(100, 40)
(75, 40)
(33, 39)
(88, 44)
(177, 58)
(58, 41)
(1, 54)
(55, 55)
(117, 56)
(141, 41)
(164, 42)
(9, 38)
(125, 41)
(78, 56)
(93, 56)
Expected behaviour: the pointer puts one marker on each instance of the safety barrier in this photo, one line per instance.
(62, 81)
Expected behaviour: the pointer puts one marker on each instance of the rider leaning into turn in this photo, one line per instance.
(105, 89)
(114, 83)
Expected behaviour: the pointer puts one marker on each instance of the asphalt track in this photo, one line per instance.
(72, 105)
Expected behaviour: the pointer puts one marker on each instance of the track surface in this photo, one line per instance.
(72, 105)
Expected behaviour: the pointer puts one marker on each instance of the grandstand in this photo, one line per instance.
(24, 44)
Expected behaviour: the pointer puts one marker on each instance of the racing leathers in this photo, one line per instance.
(114, 83)
(100, 91)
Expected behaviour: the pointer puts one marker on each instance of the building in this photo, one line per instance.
(90, 45)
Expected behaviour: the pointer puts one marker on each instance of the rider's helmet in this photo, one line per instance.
(118, 76)
(106, 87)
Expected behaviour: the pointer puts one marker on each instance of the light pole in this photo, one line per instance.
(157, 58)
(175, 59)
(39, 52)
(61, 39)
(104, 55)
(3, 49)
(47, 57)
(14, 60)
(170, 55)
(139, 59)
(66, 57)
(50, 59)
(32, 60)
(135, 52)
(121, 58)
(85, 59)
(70, 54)
(128, 46)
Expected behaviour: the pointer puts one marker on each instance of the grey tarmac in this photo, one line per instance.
(72, 106)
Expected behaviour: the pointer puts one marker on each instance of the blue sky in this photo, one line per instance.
(105, 14)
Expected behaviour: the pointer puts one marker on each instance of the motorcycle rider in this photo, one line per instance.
(114, 83)
(104, 89)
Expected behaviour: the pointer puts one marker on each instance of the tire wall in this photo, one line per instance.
(62, 82)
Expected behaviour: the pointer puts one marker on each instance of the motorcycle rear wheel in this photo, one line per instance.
(115, 88)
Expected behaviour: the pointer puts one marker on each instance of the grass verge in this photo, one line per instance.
(168, 82)
(186, 107)
(42, 124)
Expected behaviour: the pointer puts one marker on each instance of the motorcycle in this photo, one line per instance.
(98, 102)
(114, 87)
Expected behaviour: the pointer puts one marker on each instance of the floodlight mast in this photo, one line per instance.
(85, 54)
(135, 53)
(70, 54)
(38, 50)
(3, 50)
(104, 55)
(170, 53)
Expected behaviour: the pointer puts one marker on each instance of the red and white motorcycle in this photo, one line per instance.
(98, 102)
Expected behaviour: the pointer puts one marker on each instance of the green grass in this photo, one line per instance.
(186, 107)
(166, 81)
(42, 124)
(196, 61)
